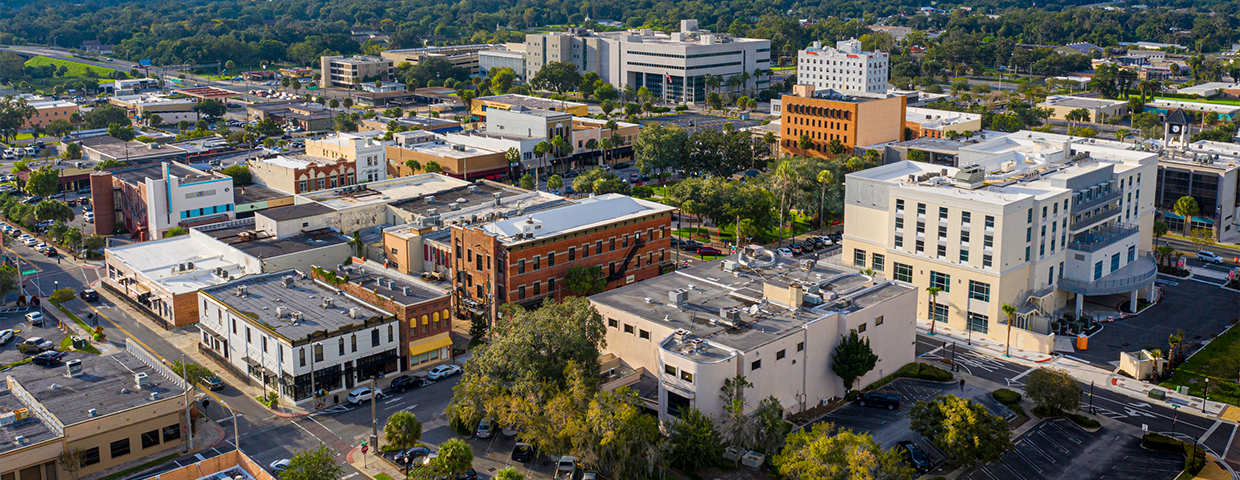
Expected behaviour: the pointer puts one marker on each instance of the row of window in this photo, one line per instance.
(537, 286)
(121, 447)
(198, 212)
(535, 262)
(320, 183)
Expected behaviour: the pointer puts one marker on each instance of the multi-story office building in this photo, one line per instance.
(151, 199)
(492, 59)
(674, 67)
(461, 56)
(348, 72)
(482, 106)
(826, 116)
(297, 335)
(47, 110)
(1038, 221)
(524, 259)
(845, 68)
(773, 320)
(1209, 172)
(364, 150)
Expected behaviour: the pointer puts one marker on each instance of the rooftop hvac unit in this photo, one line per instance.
(281, 312)
(405, 290)
(189, 265)
(94, 412)
(141, 379)
(430, 199)
(732, 314)
(287, 281)
(432, 212)
(327, 302)
(181, 267)
(154, 396)
(355, 312)
(678, 297)
(74, 367)
(681, 333)
(7, 418)
(454, 206)
(473, 189)
(241, 290)
(296, 317)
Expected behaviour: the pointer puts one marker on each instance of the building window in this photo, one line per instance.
(628, 329)
(979, 323)
(942, 232)
(899, 223)
(877, 321)
(643, 334)
(941, 280)
(800, 346)
(264, 341)
(537, 262)
(964, 256)
(670, 370)
(521, 266)
(861, 328)
(877, 262)
(301, 356)
(921, 227)
(611, 322)
(172, 432)
(899, 205)
(990, 221)
(686, 376)
(318, 352)
(940, 312)
(91, 456)
(551, 285)
(551, 259)
(965, 217)
(987, 260)
(921, 209)
(150, 439)
(234, 326)
(755, 365)
(374, 338)
(1132, 253)
(572, 253)
(859, 258)
(780, 355)
(903, 273)
(942, 213)
(979, 291)
(537, 288)
(1098, 270)
(390, 339)
(942, 251)
(247, 335)
(120, 448)
(1114, 262)
(613, 244)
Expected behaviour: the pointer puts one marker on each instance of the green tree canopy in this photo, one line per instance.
(585, 280)
(54, 210)
(695, 444)
(240, 174)
(814, 453)
(317, 464)
(558, 76)
(402, 429)
(964, 430)
(1054, 389)
(853, 358)
(43, 181)
(189, 371)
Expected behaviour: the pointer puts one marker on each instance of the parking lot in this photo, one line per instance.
(1212, 310)
(693, 121)
(1058, 449)
(494, 453)
(14, 318)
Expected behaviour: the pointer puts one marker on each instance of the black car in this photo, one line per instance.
(523, 453)
(676, 242)
(690, 245)
(796, 249)
(89, 295)
(408, 456)
(914, 456)
(807, 246)
(888, 400)
(408, 382)
(51, 252)
(48, 358)
(214, 382)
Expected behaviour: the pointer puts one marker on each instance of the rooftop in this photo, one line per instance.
(1208, 88)
(134, 150)
(402, 289)
(160, 261)
(107, 384)
(144, 99)
(1193, 106)
(385, 191)
(587, 213)
(264, 247)
(293, 212)
(264, 294)
(711, 291)
(139, 174)
(1081, 102)
(360, 59)
(296, 161)
(34, 429)
(447, 150)
(254, 193)
(474, 198)
(530, 102)
(931, 118)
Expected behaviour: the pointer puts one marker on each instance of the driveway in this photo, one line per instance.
(1057, 449)
(1199, 309)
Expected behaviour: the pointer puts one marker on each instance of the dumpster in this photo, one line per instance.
(1082, 342)
(79, 342)
(1157, 394)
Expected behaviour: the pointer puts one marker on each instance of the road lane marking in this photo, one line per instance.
(1206, 435)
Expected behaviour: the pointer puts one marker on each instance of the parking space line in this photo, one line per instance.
(1061, 448)
(1028, 442)
(1206, 435)
(1065, 432)
(1026, 459)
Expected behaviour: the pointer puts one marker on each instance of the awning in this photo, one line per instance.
(429, 344)
(140, 288)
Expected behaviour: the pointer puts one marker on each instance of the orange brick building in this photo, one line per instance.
(524, 259)
(853, 119)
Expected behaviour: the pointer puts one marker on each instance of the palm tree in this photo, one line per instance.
(560, 145)
(934, 307)
(714, 82)
(592, 144)
(825, 177)
(605, 145)
(413, 165)
(513, 156)
(542, 149)
(786, 173)
(1186, 207)
(1009, 310)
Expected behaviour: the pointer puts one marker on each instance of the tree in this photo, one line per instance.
(825, 178)
(1053, 389)
(1009, 312)
(555, 182)
(1201, 237)
(934, 306)
(1077, 115)
(317, 464)
(815, 454)
(121, 131)
(191, 372)
(852, 358)
(1123, 133)
(71, 461)
(8, 280)
(413, 166)
(770, 429)
(558, 76)
(240, 174)
(1160, 228)
(1186, 207)
(54, 210)
(210, 108)
(333, 103)
(432, 166)
(73, 151)
(585, 280)
(527, 181)
(695, 444)
(509, 473)
(94, 242)
(14, 114)
(402, 429)
(735, 427)
(175, 232)
(154, 120)
(62, 295)
(43, 182)
(805, 143)
(964, 430)
(659, 148)
(513, 156)
(347, 103)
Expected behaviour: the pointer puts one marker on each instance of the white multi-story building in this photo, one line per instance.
(365, 149)
(773, 320)
(1038, 221)
(843, 68)
(297, 336)
(674, 67)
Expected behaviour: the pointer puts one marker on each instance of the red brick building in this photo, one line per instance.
(524, 259)
(424, 311)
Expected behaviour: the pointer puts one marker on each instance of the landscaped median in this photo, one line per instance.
(1194, 455)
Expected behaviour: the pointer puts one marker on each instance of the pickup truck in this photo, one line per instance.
(566, 468)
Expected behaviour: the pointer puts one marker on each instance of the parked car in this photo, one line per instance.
(89, 295)
(30, 242)
(1210, 257)
(51, 252)
(362, 394)
(523, 452)
(427, 459)
(914, 456)
(39, 343)
(486, 428)
(467, 475)
(5, 336)
(214, 382)
(35, 318)
(690, 245)
(566, 468)
(407, 382)
(279, 466)
(48, 359)
(443, 371)
(888, 400)
(676, 241)
(704, 251)
(408, 456)
(89, 217)
(785, 252)
(796, 249)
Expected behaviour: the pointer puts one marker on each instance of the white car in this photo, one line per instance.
(5, 336)
(1209, 257)
(785, 252)
(362, 394)
(279, 466)
(35, 318)
(30, 241)
(42, 247)
(443, 371)
(89, 217)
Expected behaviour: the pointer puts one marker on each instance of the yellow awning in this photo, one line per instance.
(428, 344)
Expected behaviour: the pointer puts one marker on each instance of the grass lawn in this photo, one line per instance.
(692, 232)
(1218, 361)
(76, 69)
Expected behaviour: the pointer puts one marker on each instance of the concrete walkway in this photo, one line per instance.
(371, 464)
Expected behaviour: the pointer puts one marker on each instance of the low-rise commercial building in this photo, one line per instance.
(120, 410)
(509, 101)
(302, 173)
(459, 56)
(928, 122)
(132, 152)
(1163, 108)
(1038, 221)
(1100, 109)
(493, 59)
(461, 161)
(256, 198)
(524, 259)
(824, 117)
(1209, 172)
(150, 199)
(298, 336)
(348, 72)
(311, 117)
(47, 110)
(141, 107)
(364, 150)
(420, 123)
(586, 129)
(772, 320)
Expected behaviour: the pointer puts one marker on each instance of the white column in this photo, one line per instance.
(1132, 303)
(1080, 304)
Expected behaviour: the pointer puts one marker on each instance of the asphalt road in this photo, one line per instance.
(1160, 417)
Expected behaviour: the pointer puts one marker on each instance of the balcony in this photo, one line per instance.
(1090, 242)
(1102, 199)
(1138, 273)
(1102, 216)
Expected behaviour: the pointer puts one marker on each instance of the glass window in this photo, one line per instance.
(611, 322)
(91, 456)
(628, 328)
(942, 213)
(903, 273)
(940, 313)
(987, 260)
(780, 354)
(921, 209)
(643, 334)
(150, 439)
(965, 217)
(686, 376)
(942, 251)
(877, 262)
(942, 231)
(172, 432)
(877, 321)
(941, 280)
(1114, 262)
(859, 258)
(899, 242)
(979, 323)
(921, 227)
(756, 364)
(1098, 270)
(670, 370)
(899, 205)
(921, 246)
(800, 346)
(861, 328)
(120, 448)
(318, 352)
(990, 221)
(964, 256)
(979, 290)
(899, 222)
(1132, 253)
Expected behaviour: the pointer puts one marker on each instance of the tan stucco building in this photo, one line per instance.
(852, 118)
(1100, 109)
(340, 71)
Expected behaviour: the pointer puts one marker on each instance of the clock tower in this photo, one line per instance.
(1175, 130)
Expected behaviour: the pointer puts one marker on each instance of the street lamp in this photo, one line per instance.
(1205, 397)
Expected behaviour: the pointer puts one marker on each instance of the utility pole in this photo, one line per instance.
(1091, 398)
(374, 418)
(188, 420)
(1205, 397)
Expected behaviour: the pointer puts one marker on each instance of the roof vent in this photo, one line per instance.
(327, 302)
(281, 312)
(141, 379)
(154, 396)
(287, 281)
(405, 290)
(94, 412)
(355, 312)
(296, 317)
(241, 290)
(473, 189)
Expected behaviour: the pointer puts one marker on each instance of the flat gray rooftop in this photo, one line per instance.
(274, 247)
(107, 384)
(32, 428)
(137, 175)
(293, 212)
(256, 193)
(377, 279)
(265, 293)
(482, 194)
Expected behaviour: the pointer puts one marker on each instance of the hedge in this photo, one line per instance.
(1083, 421)
(933, 373)
(1005, 396)
(1195, 455)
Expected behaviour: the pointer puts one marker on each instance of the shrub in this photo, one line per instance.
(933, 373)
(1005, 396)
(1083, 421)
(681, 108)
(1046, 412)
(460, 427)
(1195, 455)
(643, 191)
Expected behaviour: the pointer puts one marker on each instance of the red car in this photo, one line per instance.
(704, 251)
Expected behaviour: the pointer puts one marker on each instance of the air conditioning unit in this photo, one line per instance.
(355, 312)
(141, 379)
(281, 312)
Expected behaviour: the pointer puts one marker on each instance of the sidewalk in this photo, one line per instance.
(371, 465)
(980, 343)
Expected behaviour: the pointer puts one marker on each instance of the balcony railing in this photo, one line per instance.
(1105, 198)
(1104, 237)
(1102, 216)
(1138, 273)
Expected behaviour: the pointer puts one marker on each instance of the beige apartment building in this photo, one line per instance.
(1039, 221)
(118, 410)
(365, 150)
(342, 71)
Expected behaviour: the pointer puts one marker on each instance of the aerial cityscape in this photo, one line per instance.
(622, 240)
